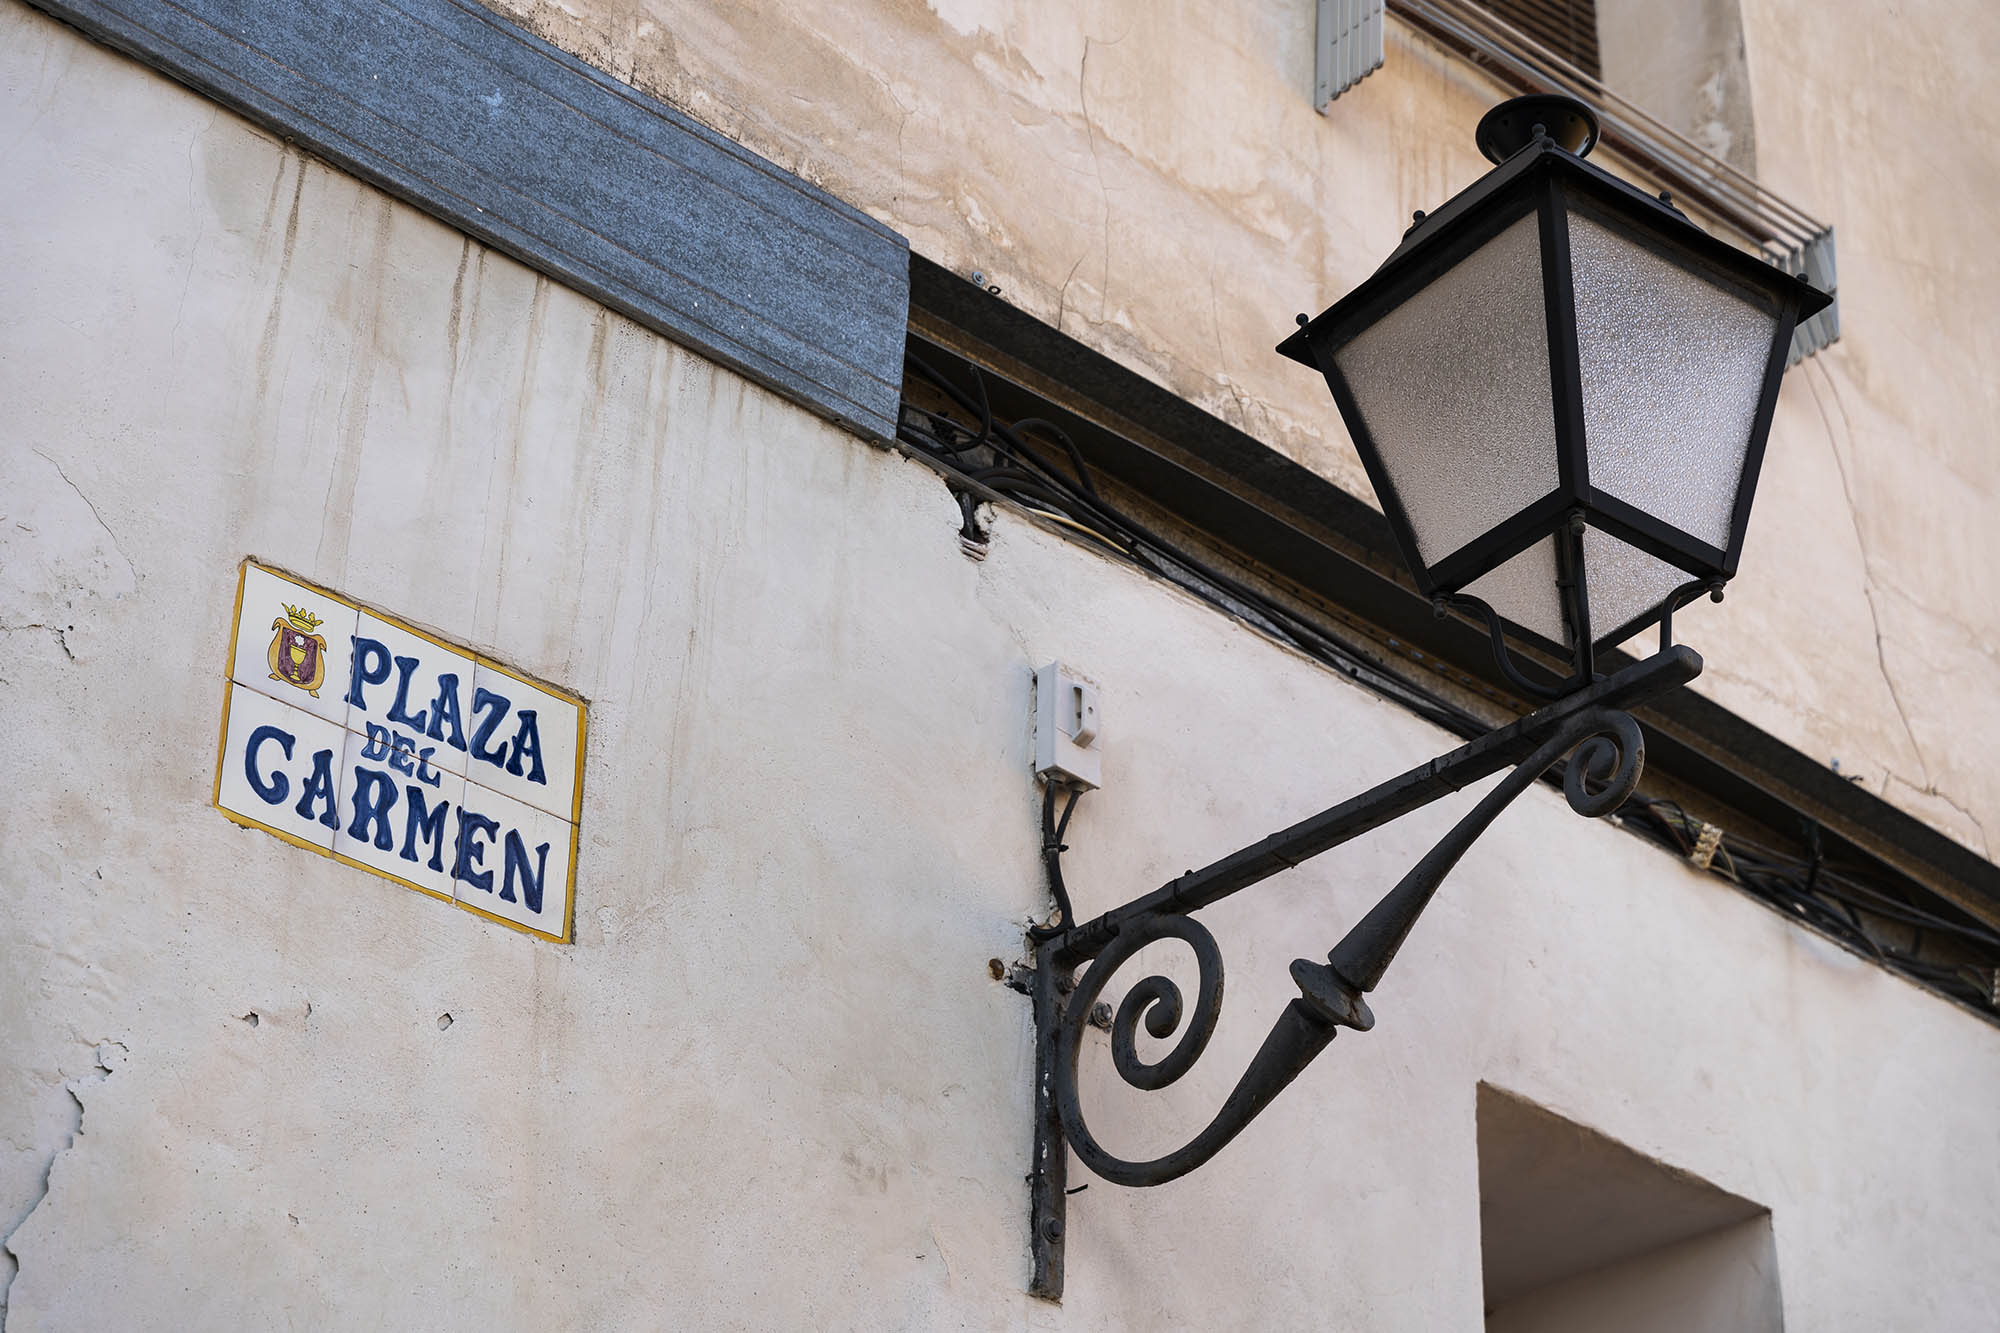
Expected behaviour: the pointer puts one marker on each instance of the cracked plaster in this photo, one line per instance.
(1153, 181)
(719, 1098)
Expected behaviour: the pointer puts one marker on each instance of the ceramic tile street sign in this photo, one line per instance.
(354, 735)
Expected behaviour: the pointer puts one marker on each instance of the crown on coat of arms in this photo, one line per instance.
(301, 618)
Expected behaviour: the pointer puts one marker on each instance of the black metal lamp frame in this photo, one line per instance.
(1537, 144)
(1606, 754)
(1537, 175)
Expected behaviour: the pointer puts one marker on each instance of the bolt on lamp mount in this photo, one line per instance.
(1561, 389)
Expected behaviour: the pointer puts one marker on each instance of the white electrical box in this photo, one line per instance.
(1068, 727)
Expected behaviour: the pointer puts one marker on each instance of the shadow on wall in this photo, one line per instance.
(1580, 1233)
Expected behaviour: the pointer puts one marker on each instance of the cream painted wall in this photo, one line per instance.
(1151, 178)
(1724, 1280)
(770, 1084)
(1684, 64)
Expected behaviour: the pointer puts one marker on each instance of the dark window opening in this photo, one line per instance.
(1566, 27)
(1578, 1231)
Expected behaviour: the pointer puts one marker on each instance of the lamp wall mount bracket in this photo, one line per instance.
(1606, 754)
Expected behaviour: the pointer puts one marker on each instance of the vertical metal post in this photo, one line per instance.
(1570, 581)
(1049, 1174)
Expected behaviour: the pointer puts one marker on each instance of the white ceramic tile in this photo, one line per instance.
(295, 753)
(500, 845)
(400, 680)
(506, 742)
(322, 650)
(379, 777)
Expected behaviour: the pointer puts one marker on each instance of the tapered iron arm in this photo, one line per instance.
(1390, 800)
(1602, 772)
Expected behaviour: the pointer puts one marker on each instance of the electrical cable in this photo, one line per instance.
(1151, 550)
(1809, 890)
(1052, 850)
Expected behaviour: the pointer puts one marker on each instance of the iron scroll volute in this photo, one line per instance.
(1607, 755)
(1156, 999)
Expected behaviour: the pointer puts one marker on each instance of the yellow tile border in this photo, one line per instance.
(478, 659)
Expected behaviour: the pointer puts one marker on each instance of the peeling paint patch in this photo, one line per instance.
(109, 1056)
(59, 558)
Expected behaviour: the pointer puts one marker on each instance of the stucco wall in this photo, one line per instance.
(1152, 179)
(1685, 65)
(1726, 1279)
(771, 1083)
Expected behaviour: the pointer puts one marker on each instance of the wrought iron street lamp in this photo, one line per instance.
(1560, 387)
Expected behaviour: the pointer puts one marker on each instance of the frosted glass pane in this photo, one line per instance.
(1672, 368)
(1524, 591)
(1621, 580)
(1454, 387)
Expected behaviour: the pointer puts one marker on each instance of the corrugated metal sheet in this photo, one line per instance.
(1348, 47)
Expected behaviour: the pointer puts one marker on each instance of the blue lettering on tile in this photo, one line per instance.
(443, 710)
(425, 821)
(367, 651)
(374, 794)
(531, 881)
(470, 853)
(398, 711)
(319, 787)
(274, 790)
(484, 698)
(528, 742)
(425, 773)
(402, 760)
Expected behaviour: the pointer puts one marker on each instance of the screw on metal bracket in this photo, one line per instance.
(1053, 1228)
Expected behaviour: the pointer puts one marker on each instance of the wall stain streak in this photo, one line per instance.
(462, 328)
(582, 493)
(201, 225)
(1097, 167)
(505, 472)
(344, 476)
(260, 450)
(452, 323)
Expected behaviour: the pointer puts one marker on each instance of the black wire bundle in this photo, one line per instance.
(996, 457)
(1831, 900)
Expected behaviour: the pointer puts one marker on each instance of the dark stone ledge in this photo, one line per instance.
(468, 117)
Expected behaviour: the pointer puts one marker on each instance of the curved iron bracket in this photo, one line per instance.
(1604, 768)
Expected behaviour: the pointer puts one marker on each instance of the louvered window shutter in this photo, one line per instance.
(1349, 47)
